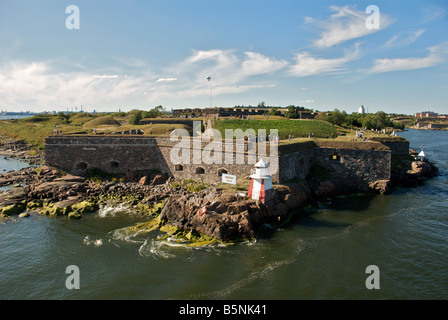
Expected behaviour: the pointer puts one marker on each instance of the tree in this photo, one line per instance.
(155, 112)
(337, 117)
(262, 104)
(369, 121)
(273, 111)
(292, 113)
(136, 117)
(380, 120)
(354, 120)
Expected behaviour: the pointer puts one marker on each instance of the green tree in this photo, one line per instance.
(337, 117)
(136, 117)
(369, 121)
(354, 120)
(273, 111)
(380, 120)
(292, 113)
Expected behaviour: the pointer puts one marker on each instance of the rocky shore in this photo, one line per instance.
(177, 208)
(20, 150)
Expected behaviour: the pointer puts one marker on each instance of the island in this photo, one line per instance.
(83, 161)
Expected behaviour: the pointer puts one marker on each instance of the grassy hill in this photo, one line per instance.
(35, 129)
(296, 128)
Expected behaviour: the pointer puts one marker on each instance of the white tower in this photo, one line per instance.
(261, 183)
(361, 110)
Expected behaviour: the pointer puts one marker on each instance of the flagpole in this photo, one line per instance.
(210, 81)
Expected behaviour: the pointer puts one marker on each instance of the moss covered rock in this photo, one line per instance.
(33, 205)
(13, 209)
(53, 211)
(74, 215)
(85, 207)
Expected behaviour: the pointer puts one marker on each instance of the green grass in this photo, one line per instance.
(35, 129)
(102, 121)
(296, 128)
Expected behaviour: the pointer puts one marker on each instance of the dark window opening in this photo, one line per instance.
(113, 164)
(221, 172)
(178, 167)
(81, 166)
(200, 170)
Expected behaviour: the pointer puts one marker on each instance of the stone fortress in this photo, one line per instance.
(136, 155)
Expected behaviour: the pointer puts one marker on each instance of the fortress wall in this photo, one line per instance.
(368, 165)
(136, 156)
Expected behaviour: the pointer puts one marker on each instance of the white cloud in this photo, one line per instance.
(230, 72)
(36, 84)
(106, 77)
(404, 40)
(256, 63)
(345, 24)
(40, 84)
(431, 12)
(437, 55)
(307, 64)
(166, 79)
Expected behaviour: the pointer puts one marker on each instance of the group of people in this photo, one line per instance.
(56, 131)
(359, 135)
(260, 138)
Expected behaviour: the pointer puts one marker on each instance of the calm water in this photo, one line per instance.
(320, 256)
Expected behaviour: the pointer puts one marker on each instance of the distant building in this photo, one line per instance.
(361, 110)
(237, 111)
(427, 114)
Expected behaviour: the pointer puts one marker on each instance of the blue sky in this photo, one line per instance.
(140, 54)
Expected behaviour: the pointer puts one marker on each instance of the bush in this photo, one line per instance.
(136, 117)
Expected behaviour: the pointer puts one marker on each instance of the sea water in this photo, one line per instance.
(322, 254)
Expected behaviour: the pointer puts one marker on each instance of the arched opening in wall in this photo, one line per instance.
(113, 164)
(221, 172)
(178, 167)
(200, 170)
(82, 166)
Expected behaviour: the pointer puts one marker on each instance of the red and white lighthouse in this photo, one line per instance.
(261, 183)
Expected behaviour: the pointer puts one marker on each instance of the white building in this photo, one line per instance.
(361, 110)
(261, 183)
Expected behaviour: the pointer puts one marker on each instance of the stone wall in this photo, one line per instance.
(368, 165)
(138, 155)
(397, 145)
(295, 165)
(135, 156)
(168, 121)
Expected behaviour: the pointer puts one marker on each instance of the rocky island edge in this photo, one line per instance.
(187, 210)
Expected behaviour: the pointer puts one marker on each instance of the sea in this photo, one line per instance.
(381, 247)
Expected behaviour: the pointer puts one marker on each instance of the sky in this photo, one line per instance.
(122, 55)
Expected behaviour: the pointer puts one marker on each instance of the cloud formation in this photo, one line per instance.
(308, 65)
(437, 55)
(405, 39)
(343, 25)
